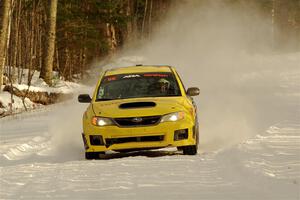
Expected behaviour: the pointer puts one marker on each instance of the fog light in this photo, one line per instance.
(96, 140)
(181, 134)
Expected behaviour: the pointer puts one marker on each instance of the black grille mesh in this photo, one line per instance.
(138, 121)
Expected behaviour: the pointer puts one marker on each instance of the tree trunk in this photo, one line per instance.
(66, 62)
(8, 42)
(19, 56)
(31, 28)
(111, 38)
(150, 18)
(46, 70)
(144, 18)
(135, 20)
(3, 37)
(16, 36)
(128, 37)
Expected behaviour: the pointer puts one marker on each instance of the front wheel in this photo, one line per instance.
(92, 155)
(190, 150)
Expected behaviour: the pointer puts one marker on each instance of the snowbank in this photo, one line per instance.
(9, 106)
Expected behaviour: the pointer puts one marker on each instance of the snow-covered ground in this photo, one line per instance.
(42, 157)
(37, 85)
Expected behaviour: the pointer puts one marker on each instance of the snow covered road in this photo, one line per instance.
(42, 158)
(264, 167)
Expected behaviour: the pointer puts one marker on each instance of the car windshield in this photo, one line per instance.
(124, 86)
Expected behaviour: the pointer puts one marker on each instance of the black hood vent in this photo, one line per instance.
(137, 105)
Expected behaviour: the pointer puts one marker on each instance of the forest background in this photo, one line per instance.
(67, 36)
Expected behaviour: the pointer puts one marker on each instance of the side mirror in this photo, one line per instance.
(193, 91)
(84, 98)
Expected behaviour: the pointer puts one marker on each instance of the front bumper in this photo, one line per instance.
(157, 136)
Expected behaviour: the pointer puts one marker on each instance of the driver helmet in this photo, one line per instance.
(164, 84)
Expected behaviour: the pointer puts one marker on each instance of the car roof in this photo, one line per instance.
(138, 69)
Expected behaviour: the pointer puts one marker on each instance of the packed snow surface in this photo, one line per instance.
(42, 156)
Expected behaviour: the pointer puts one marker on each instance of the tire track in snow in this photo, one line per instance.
(116, 177)
(276, 154)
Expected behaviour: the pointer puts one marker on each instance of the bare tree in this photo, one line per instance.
(46, 70)
(144, 18)
(3, 37)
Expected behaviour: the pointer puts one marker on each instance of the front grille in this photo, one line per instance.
(138, 121)
(156, 138)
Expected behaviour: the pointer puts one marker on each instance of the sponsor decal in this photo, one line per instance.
(128, 76)
(111, 78)
(132, 76)
(156, 75)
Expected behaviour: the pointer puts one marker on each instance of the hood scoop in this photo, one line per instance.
(137, 105)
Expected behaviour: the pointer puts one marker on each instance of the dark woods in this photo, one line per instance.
(67, 35)
(82, 31)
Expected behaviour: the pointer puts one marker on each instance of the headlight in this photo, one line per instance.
(102, 121)
(172, 117)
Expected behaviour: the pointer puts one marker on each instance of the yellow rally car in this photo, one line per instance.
(140, 107)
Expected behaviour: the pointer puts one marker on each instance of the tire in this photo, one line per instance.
(92, 155)
(190, 150)
(179, 148)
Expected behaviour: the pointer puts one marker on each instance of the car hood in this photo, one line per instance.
(163, 105)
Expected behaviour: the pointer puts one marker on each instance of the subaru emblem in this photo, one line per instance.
(137, 119)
